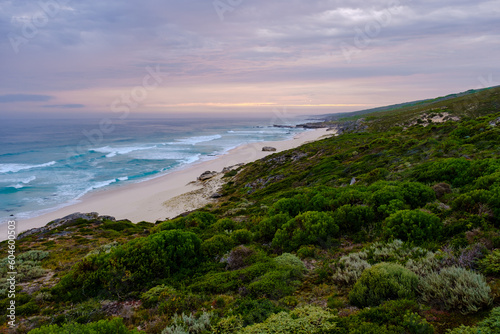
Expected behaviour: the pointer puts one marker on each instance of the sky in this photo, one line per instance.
(118, 57)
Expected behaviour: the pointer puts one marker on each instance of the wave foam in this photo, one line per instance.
(14, 168)
(196, 140)
(114, 151)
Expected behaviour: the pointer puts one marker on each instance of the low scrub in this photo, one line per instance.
(456, 289)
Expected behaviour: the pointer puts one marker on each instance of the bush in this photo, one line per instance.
(268, 226)
(353, 218)
(114, 326)
(238, 257)
(400, 316)
(252, 311)
(306, 229)
(382, 282)
(242, 236)
(291, 206)
(413, 225)
(490, 265)
(303, 320)
(189, 324)
(350, 268)
(490, 325)
(417, 194)
(151, 297)
(457, 289)
(217, 245)
(133, 266)
(228, 325)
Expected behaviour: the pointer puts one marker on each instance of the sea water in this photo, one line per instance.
(48, 164)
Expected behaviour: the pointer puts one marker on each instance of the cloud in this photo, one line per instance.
(106, 45)
(65, 106)
(10, 98)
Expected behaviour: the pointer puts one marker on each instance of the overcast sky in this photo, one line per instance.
(310, 56)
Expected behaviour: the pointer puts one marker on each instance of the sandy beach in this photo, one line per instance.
(169, 195)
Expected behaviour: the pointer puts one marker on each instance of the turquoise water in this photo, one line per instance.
(47, 164)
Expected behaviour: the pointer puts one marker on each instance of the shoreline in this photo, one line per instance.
(169, 195)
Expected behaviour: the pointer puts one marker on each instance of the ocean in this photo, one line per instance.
(48, 164)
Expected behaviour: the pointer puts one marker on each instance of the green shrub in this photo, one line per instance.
(382, 282)
(473, 201)
(417, 194)
(217, 245)
(306, 229)
(189, 324)
(413, 225)
(385, 195)
(464, 330)
(287, 261)
(352, 219)
(456, 288)
(151, 297)
(268, 226)
(275, 284)
(291, 206)
(303, 320)
(492, 323)
(133, 266)
(114, 326)
(252, 311)
(224, 224)
(228, 325)
(306, 252)
(242, 236)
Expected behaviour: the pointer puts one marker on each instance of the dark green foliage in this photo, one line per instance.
(114, 326)
(269, 226)
(352, 219)
(217, 245)
(416, 194)
(255, 310)
(413, 225)
(473, 201)
(291, 206)
(309, 228)
(282, 280)
(382, 282)
(242, 236)
(132, 266)
(395, 316)
(490, 265)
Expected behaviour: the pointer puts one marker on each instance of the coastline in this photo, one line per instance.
(169, 195)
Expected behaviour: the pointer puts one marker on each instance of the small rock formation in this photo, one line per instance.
(65, 221)
(230, 168)
(268, 149)
(353, 181)
(207, 175)
(216, 195)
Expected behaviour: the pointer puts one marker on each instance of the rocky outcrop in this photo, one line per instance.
(207, 175)
(230, 168)
(268, 149)
(67, 220)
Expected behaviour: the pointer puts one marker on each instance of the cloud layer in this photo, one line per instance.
(284, 52)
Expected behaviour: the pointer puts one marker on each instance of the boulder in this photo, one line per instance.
(268, 149)
(207, 175)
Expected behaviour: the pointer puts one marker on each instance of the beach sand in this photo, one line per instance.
(170, 195)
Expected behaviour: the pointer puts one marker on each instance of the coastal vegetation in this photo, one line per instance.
(391, 227)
